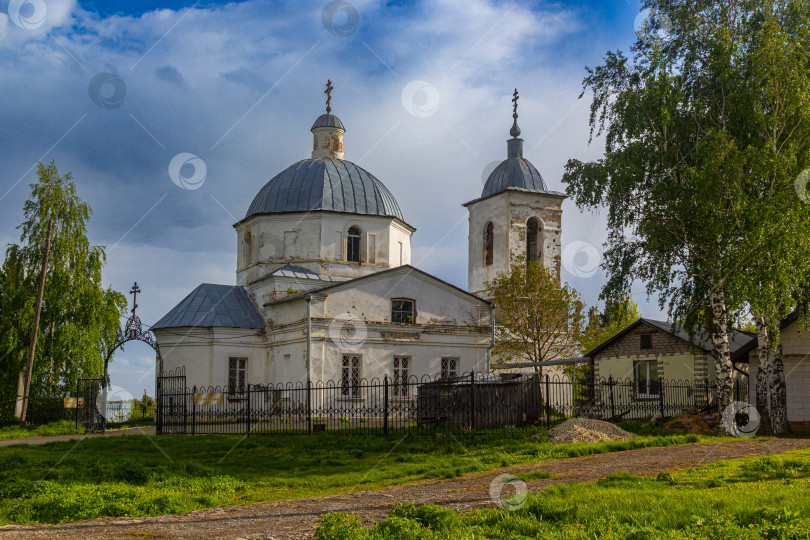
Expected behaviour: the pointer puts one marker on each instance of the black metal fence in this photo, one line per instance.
(469, 401)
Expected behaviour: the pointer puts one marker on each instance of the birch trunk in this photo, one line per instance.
(763, 375)
(777, 396)
(721, 352)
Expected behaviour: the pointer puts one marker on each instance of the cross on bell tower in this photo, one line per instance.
(134, 292)
(515, 131)
(328, 93)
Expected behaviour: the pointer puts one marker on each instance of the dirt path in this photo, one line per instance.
(297, 518)
(145, 430)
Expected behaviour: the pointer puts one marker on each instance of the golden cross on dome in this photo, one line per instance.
(328, 93)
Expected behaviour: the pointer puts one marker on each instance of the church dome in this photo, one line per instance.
(329, 121)
(329, 184)
(514, 172)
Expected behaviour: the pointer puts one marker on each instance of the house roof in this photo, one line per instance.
(376, 275)
(738, 340)
(209, 305)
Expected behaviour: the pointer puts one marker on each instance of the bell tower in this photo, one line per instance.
(516, 219)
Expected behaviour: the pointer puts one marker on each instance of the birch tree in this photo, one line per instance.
(687, 154)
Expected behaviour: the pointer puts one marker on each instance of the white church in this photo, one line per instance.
(324, 285)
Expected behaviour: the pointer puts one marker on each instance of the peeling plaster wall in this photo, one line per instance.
(509, 212)
(317, 241)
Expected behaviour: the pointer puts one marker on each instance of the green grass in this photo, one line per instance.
(755, 498)
(63, 427)
(131, 476)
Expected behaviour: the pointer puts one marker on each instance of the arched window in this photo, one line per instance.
(532, 229)
(489, 234)
(353, 244)
(247, 256)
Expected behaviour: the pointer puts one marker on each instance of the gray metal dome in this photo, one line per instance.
(514, 172)
(328, 120)
(325, 184)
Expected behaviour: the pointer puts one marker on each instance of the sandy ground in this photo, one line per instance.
(298, 518)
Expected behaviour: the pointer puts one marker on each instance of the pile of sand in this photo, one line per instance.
(578, 430)
(689, 424)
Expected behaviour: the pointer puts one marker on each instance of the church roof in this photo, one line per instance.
(514, 172)
(298, 272)
(328, 120)
(209, 305)
(325, 184)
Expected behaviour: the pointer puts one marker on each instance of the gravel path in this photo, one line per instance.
(146, 430)
(292, 519)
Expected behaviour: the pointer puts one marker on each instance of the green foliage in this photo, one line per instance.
(79, 317)
(537, 319)
(696, 504)
(130, 476)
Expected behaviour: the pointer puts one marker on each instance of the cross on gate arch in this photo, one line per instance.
(133, 331)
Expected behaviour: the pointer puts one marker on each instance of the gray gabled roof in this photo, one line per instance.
(226, 306)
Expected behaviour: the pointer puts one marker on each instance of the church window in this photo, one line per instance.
(449, 367)
(402, 311)
(350, 375)
(532, 229)
(237, 376)
(353, 245)
(401, 366)
(489, 234)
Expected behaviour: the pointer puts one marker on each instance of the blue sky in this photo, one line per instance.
(238, 85)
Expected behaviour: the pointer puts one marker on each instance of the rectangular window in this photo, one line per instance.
(350, 375)
(449, 367)
(237, 376)
(402, 311)
(647, 384)
(401, 365)
(646, 341)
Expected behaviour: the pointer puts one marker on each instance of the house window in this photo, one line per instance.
(647, 384)
(646, 341)
(402, 311)
(532, 227)
(489, 234)
(237, 376)
(401, 364)
(350, 375)
(353, 245)
(449, 367)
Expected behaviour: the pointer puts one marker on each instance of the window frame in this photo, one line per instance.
(237, 374)
(445, 370)
(413, 311)
(533, 238)
(351, 376)
(652, 388)
(401, 367)
(641, 342)
(354, 251)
